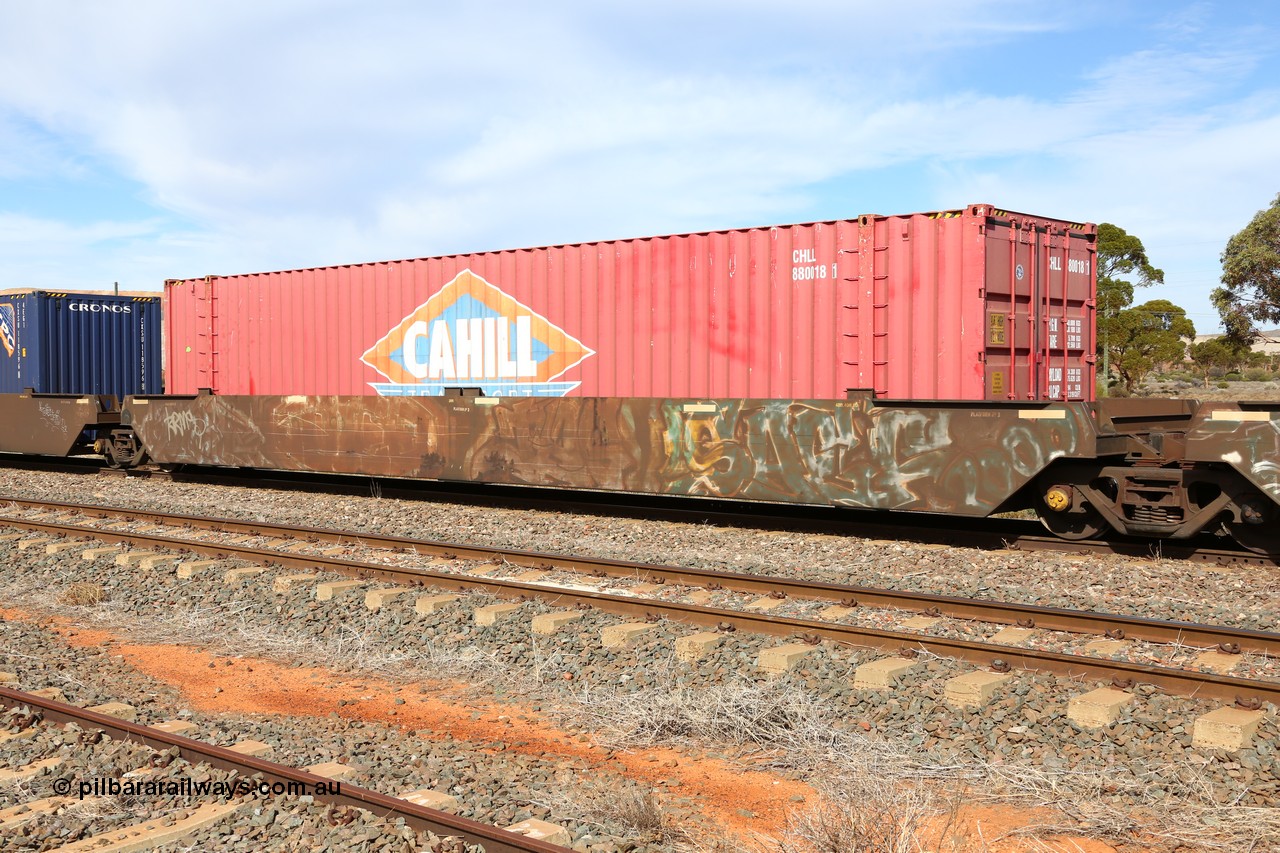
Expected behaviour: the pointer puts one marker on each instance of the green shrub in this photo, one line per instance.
(1233, 377)
(1258, 374)
(1224, 384)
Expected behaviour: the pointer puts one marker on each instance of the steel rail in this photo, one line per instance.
(1177, 681)
(986, 532)
(955, 607)
(493, 839)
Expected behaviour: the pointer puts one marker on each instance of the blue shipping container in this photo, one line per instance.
(80, 343)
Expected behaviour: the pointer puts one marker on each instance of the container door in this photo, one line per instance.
(1067, 321)
(1011, 295)
(1039, 303)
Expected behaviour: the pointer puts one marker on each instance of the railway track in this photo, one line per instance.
(648, 590)
(985, 533)
(201, 817)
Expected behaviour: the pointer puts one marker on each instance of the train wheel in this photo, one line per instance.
(1065, 521)
(122, 450)
(1258, 531)
(1075, 526)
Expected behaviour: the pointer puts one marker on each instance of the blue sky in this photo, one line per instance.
(141, 141)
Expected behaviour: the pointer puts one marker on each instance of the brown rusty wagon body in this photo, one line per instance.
(1164, 469)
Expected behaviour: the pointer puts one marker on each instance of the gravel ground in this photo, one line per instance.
(1184, 656)
(1157, 588)
(1146, 757)
(263, 822)
(1150, 744)
(497, 787)
(1248, 665)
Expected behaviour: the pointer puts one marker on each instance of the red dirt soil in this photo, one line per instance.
(749, 805)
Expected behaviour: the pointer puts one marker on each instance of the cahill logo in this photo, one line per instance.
(470, 333)
(8, 327)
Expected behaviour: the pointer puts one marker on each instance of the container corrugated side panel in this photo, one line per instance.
(665, 316)
(70, 343)
(102, 344)
(926, 304)
(182, 348)
(897, 304)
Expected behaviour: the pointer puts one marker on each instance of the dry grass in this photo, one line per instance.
(82, 595)
(860, 814)
(775, 726)
(623, 810)
(1184, 814)
(233, 628)
(770, 725)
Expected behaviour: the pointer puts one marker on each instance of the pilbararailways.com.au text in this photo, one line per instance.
(187, 787)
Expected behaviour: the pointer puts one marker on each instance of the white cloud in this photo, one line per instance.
(292, 134)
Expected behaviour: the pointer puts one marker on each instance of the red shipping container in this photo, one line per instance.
(972, 304)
